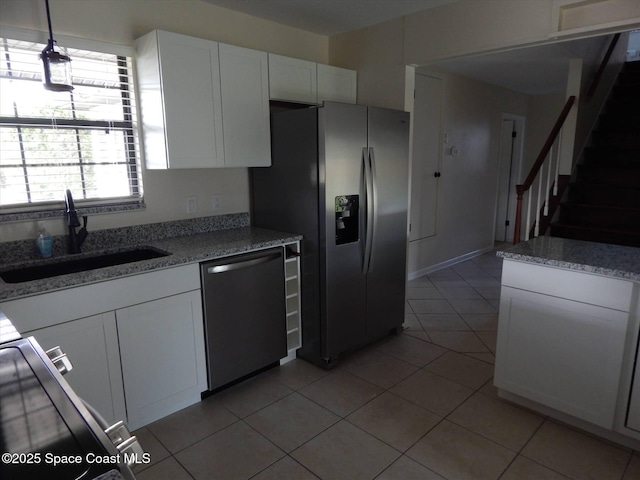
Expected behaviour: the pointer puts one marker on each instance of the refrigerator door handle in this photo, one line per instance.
(374, 207)
(369, 205)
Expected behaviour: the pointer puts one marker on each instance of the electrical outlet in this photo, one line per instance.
(216, 202)
(192, 204)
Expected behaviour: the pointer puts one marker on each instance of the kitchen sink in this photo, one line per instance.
(81, 264)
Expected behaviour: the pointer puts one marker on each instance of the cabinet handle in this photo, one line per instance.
(244, 264)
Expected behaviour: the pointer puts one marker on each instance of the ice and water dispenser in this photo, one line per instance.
(347, 209)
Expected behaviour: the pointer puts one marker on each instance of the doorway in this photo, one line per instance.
(509, 175)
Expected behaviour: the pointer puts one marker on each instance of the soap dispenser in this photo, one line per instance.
(45, 244)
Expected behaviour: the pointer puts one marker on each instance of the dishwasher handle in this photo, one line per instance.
(227, 267)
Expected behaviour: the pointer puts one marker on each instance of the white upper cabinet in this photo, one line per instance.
(336, 84)
(292, 79)
(295, 80)
(179, 83)
(244, 76)
(204, 104)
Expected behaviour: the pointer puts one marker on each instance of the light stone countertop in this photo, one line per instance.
(589, 257)
(183, 249)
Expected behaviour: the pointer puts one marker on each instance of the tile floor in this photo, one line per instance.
(417, 406)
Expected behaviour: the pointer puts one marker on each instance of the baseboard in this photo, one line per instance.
(448, 263)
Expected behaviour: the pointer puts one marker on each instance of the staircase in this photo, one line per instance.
(603, 203)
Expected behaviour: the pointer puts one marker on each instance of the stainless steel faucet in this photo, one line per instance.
(75, 238)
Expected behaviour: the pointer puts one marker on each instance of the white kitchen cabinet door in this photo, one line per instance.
(244, 81)
(91, 344)
(336, 84)
(181, 107)
(564, 354)
(162, 355)
(292, 79)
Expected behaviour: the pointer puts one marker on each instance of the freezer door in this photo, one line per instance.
(342, 141)
(386, 276)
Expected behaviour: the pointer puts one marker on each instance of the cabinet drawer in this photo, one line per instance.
(558, 282)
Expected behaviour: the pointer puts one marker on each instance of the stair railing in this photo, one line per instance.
(544, 173)
(598, 75)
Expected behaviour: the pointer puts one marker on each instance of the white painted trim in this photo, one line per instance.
(448, 263)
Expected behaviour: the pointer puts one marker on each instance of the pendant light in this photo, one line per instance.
(56, 65)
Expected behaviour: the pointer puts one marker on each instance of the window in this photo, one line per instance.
(52, 141)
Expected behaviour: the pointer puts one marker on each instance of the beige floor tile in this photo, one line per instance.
(420, 282)
(394, 420)
(411, 322)
(433, 392)
(151, 445)
(235, 453)
(497, 420)
(472, 306)
(431, 306)
(461, 369)
(458, 341)
(297, 373)
(457, 453)
(378, 368)
(524, 469)
(167, 469)
(407, 469)
(341, 392)
(186, 427)
(291, 421)
(481, 321)
(285, 469)
(345, 452)
(576, 455)
(482, 281)
(253, 394)
(423, 292)
(449, 282)
(489, 293)
(410, 349)
(466, 292)
(441, 321)
(484, 357)
(420, 335)
(490, 339)
(633, 468)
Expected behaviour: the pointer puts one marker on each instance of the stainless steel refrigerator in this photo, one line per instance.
(340, 177)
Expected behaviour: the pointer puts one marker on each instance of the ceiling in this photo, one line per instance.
(329, 17)
(534, 70)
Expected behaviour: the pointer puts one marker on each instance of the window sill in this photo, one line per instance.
(82, 210)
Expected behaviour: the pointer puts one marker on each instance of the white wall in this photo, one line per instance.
(121, 22)
(472, 119)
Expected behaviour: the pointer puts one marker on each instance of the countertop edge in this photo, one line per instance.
(184, 250)
(589, 257)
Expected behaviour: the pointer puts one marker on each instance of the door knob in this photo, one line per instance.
(436, 174)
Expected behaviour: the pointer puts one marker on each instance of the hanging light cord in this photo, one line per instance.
(50, 46)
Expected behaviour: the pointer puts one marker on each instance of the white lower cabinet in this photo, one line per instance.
(162, 355)
(91, 344)
(561, 353)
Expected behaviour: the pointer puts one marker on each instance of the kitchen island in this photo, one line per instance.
(568, 333)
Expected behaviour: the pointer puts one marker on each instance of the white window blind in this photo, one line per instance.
(82, 140)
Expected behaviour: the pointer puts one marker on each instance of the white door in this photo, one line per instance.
(427, 149)
(511, 136)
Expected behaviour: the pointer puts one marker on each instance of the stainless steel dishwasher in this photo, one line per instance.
(244, 314)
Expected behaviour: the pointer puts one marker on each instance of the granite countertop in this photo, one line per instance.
(183, 249)
(589, 257)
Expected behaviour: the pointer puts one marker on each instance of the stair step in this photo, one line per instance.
(608, 174)
(611, 156)
(615, 237)
(601, 217)
(617, 139)
(622, 122)
(606, 195)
